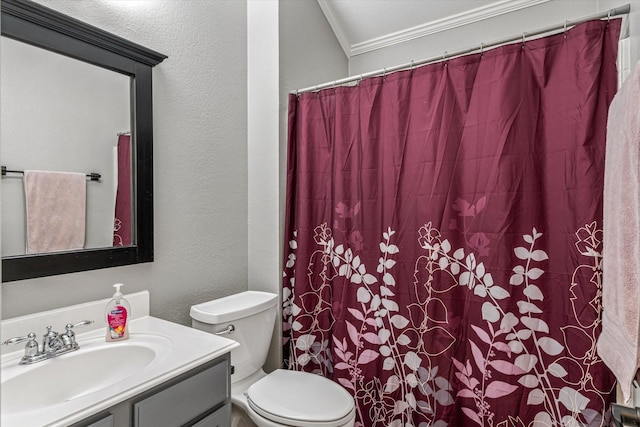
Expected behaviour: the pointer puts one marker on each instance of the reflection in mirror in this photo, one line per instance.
(127, 66)
(59, 114)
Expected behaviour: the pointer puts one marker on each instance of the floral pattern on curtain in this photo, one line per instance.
(443, 236)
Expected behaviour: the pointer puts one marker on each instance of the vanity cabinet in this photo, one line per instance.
(197, 398)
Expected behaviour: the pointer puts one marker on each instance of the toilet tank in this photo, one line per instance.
(252, 315)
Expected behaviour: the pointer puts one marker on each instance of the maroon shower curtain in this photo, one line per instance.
(122, 222)
(443, 236)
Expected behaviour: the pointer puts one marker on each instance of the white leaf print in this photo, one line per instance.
(442, 383)
(459, 254)
(383, 247)
(392, 384)
(398, 408)
(384, 335)
(508, 322)
(524, 334)
(498, 293)
(295, 310)
(385, 350)
(389, 364)
(557, 371)
(412, 380)
(522, 253)
(527, 238)
(304, 342)
(534, 273)
(363, 295)
(339, 249)
(464, 278)
(369, 279)
(533, 292)
(388, 279)
(539, 255)
(388, 264)
(480, 290)
(393, 249)
(356, 261)
(446, 246)
(529, 381)
(536, 397)
(356, 278)
(526, 362)
(537, 325)
(573, 400)
(455, 268)
(386, 292)
(296, 326)
(404, 340)
(443, 263)
(480, 270)
(527, 307)
(304, 359)
(390, 305)
(542, 419)
(516, 279)
(412, 360)
(490, 312)
(550, 346)
(410, 399)
(399, 321)
(516, 346)
(293, 244)
(488, 280)
(569, 421)
(444, 397)
(344, 270)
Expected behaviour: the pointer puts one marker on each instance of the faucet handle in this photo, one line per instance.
(69, 337)
(30, 349)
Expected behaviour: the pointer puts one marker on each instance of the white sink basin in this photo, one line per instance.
(66, 389)
(95, 366)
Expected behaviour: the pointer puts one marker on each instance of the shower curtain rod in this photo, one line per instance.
(621, 10)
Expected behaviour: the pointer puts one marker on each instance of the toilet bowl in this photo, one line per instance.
(281, 398)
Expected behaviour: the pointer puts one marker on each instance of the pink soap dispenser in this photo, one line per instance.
(117, 316)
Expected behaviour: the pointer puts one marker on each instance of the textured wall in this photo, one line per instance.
(200, 159)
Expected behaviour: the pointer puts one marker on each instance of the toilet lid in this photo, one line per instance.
(300, 399)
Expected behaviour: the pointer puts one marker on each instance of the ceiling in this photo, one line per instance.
(365, 25)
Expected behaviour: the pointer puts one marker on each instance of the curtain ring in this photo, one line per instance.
(609, 16)
(481, 50)
(384, 74)
(565, 29)
(412, 65)
(523, 39)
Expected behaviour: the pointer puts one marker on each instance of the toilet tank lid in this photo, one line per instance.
(233, 307)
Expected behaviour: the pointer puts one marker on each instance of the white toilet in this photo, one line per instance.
(281, 398)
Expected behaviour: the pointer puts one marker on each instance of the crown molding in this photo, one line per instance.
(498, 8)
(335, 26)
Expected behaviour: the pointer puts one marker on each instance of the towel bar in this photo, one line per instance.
(93, 176)
(624, 416)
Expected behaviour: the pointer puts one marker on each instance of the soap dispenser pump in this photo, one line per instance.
(117, 316)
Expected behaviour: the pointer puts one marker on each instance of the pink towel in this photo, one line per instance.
(618, 342)
(55, 210)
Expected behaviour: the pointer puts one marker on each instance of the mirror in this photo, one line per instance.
(127, 69)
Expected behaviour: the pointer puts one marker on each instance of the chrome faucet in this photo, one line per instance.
(53, 344)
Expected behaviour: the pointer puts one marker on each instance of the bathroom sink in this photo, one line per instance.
(95, 366)
(72, 387)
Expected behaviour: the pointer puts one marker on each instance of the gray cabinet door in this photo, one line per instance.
(176, 405)
(220, 418)
(104, 422)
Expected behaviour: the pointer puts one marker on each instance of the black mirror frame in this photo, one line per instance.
(40, 26)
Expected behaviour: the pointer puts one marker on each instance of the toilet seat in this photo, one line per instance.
(300, 399)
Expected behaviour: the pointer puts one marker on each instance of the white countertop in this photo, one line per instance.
(189, 348)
